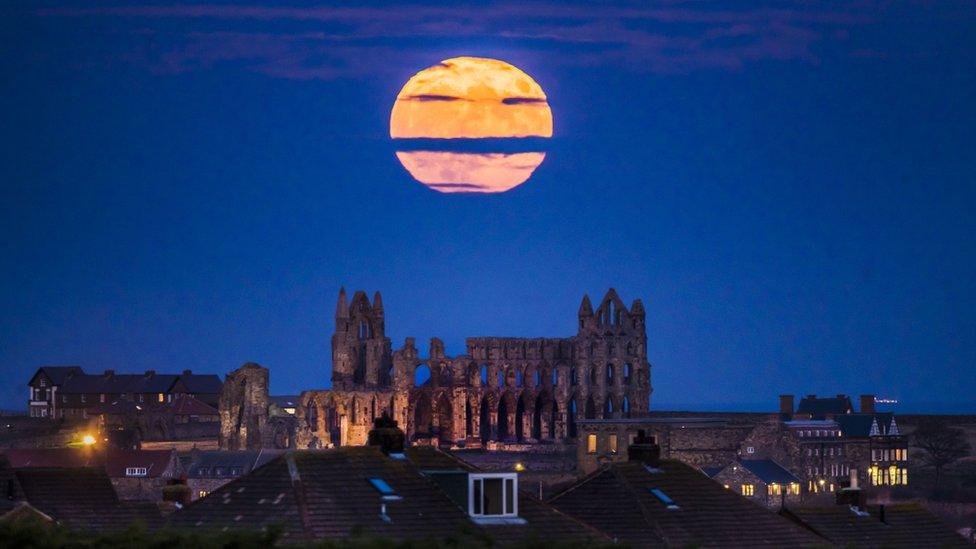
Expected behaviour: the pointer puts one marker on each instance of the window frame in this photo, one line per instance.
(474, 478)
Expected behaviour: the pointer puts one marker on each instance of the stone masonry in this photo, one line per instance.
(502, 390)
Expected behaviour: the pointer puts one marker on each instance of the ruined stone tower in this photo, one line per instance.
(502, 390)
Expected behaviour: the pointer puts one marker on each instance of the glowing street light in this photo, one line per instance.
(519, 467)
(88, 440)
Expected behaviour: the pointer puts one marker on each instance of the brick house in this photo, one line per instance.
(761, 480)
(44, 387)
(421, 494)
(70, 393)
(209, 470)
(135, 474)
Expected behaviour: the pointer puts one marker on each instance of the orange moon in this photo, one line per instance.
(470, 98)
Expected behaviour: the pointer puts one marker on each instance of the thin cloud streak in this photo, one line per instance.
(333, 42)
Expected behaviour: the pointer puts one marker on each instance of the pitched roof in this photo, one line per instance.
(820, 407)
(906, 525)
(201, 383)
(859, 425)
(619, 501)
(768, 471)
(57, 374)
(186, 405)
(21, 458)
(202, 462)
(83, 498)
(156, 462)
(326, 494)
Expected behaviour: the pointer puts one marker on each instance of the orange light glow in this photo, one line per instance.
(451, 172)
(471, 97)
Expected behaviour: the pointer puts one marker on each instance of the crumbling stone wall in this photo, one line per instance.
(502, 390)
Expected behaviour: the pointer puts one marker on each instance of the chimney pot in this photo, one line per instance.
(109, 373)
(867, 404)
(150, 373)
(187, 372)
(644, 450)
(786, 404)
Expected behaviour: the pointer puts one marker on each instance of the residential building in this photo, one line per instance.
(651, 502)
(76, 497)
(760, 480)
(207, 470)
(420, 494)
(70, 393)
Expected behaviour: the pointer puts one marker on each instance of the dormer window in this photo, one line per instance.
(135, 471)
(493, 497)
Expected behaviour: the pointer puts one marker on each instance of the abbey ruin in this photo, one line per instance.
(502, 390)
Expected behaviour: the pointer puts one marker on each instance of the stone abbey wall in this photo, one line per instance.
(501, 390)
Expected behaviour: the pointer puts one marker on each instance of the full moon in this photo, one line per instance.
(470, 98)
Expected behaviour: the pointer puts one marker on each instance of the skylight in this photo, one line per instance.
(665, 499)
(385, 490)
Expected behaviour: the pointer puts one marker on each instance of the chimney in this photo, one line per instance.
(386, 434)
(867, 404)
(150, 373)
(786, 405)
(109, 373)
(852, 495)
(644, 450)
(187, 372)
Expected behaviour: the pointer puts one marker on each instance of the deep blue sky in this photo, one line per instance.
(789, 188)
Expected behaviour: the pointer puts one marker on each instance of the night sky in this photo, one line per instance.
(789, 187)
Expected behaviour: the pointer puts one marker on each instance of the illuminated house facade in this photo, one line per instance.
(829, 443)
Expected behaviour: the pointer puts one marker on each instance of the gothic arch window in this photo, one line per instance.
(628, 373)
(501, 377)
(555, 377)
(572, 376)
(608, 407)
(609, 374)
(518, 377)
(537, 379)
(421, 375)
(625, 407)
(484, 375)
(593, 376)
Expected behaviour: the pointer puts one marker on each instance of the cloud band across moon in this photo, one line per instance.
(470, 98)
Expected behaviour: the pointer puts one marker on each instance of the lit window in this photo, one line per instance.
(751, 450)
(726, 486)
(202, 494)
(613, 444)
(493, 495)
(386, 491)
(664, 498)
(161, 397)
(748, 490)
(774, 489)
(82, 397)
(101, 397)
(793, 489)
(591, 444)
(135, 471)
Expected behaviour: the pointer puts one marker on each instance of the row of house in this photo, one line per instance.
(422, 493)
(802, 452)
(69, 392)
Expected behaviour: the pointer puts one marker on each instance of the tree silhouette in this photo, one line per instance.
(942, 446)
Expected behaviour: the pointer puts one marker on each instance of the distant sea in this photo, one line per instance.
(955, 408)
